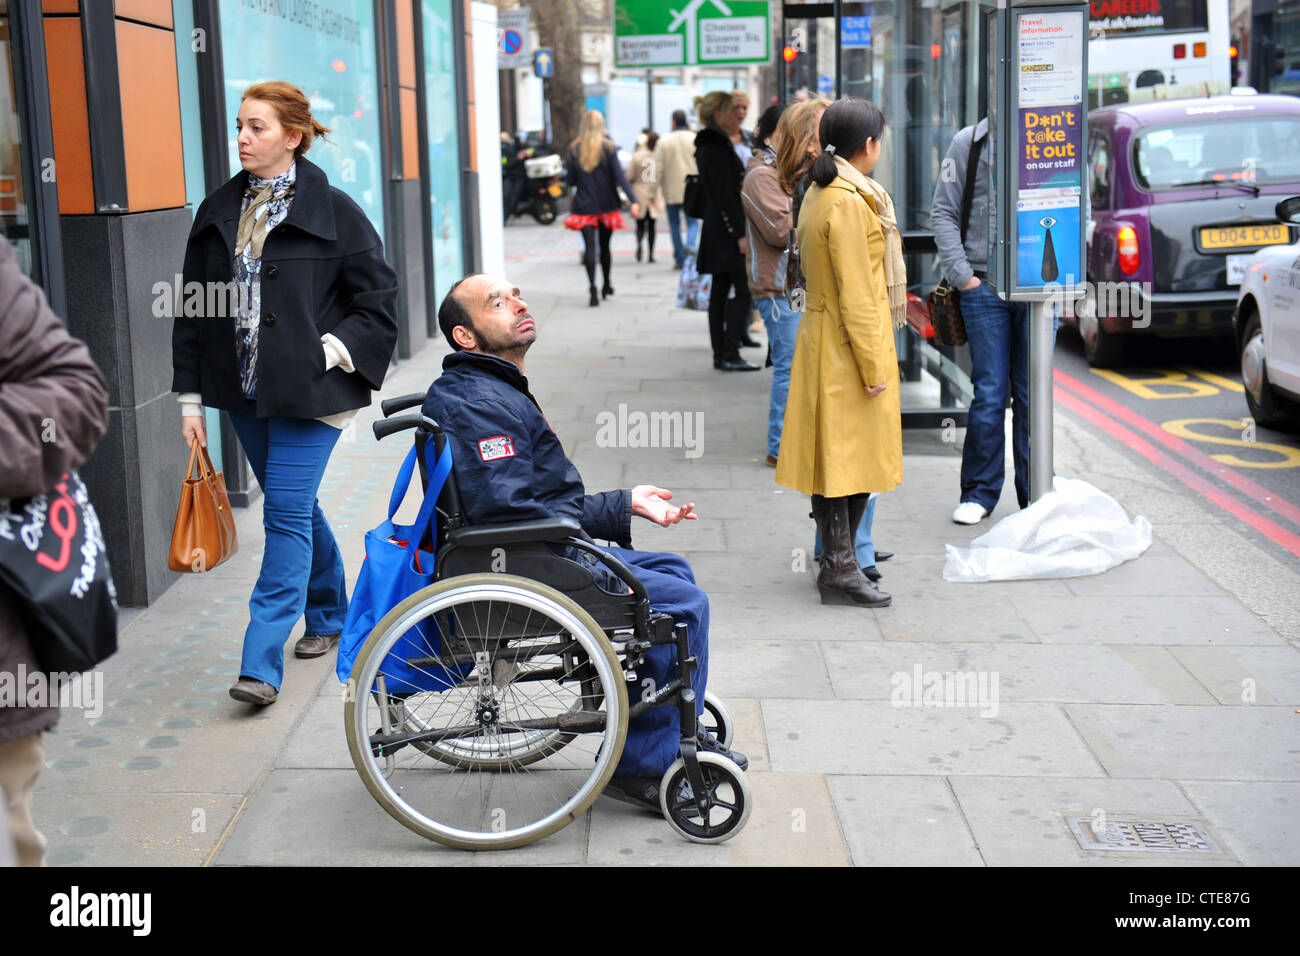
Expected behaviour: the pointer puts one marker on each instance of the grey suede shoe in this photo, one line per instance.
(314, 645)
(251, 691)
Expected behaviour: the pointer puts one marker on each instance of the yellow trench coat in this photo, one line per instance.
(836, 441)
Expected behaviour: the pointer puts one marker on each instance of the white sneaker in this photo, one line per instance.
(969, 512)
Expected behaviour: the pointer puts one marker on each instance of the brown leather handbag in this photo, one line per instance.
(945, 300)
(204, 534)
(945, 315)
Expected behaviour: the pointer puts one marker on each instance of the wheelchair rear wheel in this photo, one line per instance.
(487, 711)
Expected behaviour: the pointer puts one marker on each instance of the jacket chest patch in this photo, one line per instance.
(496, 447)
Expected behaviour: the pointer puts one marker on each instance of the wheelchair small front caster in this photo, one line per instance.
(717, 720)
(728, 794)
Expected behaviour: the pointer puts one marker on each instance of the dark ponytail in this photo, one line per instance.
(846, 126)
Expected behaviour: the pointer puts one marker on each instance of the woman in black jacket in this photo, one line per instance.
(596, 174)
(722, 240)
(297, 328)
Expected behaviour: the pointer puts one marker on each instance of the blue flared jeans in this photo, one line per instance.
(302, 570)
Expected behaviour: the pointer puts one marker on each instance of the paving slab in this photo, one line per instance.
(899, 820)
(1260, 821)
(1021, 821)
(1245, 675)
(1025, 672)
(1195, 743)
(133, 829)
(876, 737)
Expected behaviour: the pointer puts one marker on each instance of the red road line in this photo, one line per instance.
(1265, 526)
(1197, 457)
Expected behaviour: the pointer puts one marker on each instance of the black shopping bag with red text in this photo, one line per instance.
(54, 568)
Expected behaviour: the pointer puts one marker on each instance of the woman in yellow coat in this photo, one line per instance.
(842, 438)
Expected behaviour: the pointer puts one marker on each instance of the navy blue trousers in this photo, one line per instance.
(654, 738)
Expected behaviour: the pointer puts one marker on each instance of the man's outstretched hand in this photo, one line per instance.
(651, 502)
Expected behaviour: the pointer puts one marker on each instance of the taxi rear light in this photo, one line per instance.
(1180, 51)
(1129, 255)
(1198, 49)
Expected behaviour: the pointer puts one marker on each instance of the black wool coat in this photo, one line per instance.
(323, 270)
(721, 174)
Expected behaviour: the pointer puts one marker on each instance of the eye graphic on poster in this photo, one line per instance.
(1051, 271)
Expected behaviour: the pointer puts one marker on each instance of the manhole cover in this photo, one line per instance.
(1151, 836)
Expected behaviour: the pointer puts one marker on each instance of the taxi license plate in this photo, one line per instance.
(555, 190)
(1244, 236)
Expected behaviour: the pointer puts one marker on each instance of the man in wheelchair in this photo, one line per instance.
(510, 466)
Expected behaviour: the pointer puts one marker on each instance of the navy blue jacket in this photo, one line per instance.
(595, 192)
(509, 464)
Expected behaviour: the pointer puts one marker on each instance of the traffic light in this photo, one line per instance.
(1234, 72)
(789, 54)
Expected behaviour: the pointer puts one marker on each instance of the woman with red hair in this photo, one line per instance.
(292, 357)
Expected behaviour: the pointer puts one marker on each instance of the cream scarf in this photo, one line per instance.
(895, 268)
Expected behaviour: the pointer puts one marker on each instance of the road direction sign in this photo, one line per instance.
(691, 32)
(544, 63)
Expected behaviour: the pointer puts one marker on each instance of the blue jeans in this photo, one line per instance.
(999, 353)
(654, 739)
(782, 323)
(302, 570)
(674, 229)
(862, 543)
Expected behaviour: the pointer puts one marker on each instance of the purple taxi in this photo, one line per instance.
(1182, 193)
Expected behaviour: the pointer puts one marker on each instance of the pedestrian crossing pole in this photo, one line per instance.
(1038, 113)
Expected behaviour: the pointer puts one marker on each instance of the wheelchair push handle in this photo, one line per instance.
(401, 403)
(389, 426)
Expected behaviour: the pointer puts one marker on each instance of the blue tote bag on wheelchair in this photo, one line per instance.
(395, 567)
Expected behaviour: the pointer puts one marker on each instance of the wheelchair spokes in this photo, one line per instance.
(494, 714)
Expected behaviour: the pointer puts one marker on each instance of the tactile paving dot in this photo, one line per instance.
(147, 685)
(141, 763)
(208, 687)
(88, 826)
(89, 743)
(179, 723)
(66, 855)
(193, 639)
(130, 703)
(181, 654)
(222, 671)
(164, 669)
(196, 703)
(161, 743)
(112, 720)
(232, 655)
(68, 763)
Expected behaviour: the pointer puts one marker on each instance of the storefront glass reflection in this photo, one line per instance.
(15, 221)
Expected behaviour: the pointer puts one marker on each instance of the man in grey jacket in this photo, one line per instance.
(998, 331)
(53, 410)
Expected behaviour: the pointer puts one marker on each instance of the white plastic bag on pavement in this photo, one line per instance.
(1073, 530)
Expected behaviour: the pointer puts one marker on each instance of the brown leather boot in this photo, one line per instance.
(841, 580)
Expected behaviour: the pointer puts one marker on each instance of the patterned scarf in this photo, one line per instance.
(895, 267)
(266, 203)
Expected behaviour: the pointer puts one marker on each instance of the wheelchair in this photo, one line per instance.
(490, 709)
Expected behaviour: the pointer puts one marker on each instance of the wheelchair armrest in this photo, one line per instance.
(514, 532)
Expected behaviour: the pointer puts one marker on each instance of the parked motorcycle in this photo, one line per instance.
(545, 186)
